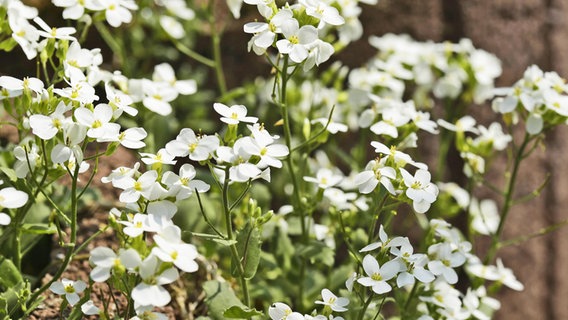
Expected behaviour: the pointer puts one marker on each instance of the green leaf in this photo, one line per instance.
(10, 173)
(11, 277)
(38, 228)
(317, 251)
(248, 246)
(214, 238)
(8, 44)
(235, 312)
(220, 297)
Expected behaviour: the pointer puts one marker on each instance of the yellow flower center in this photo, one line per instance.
(294, 40)
(69, 288)
(377, 277)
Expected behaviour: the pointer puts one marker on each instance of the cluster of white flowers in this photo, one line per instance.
(331, 303)
(116, 11)
(318, 18)
(150, 199)
(444, 69)
(539, 98)
(479, 145)
(301, 42)
(383, 171)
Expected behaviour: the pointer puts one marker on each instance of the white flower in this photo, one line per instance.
(419, 189)
(336, 304)
(56, 33)
(69, 288)
(12, 198)
(463, 124)
(150, 291)
(46, 127)
(133, 189)
(178, 8)
(485, 216)
(265, 33)
(325, 178)
(497, 273)
(296, 40)
(89, 309)
(146, 313)
(74, 9)
(121, 172)
(26, 35)
(161, 157)
(262, 147)
(105, 260)
(281, 311)
(157, 96)
(119, 102)
(375, 172)
(170, 248)
(182, 186)
(26, 160)
(233, 114)
(5, 219)
(172, 27)
(324, 12)
(17, 85)
(132, 138)
(136, 226)
(116, 11)
(98, 122)
(76, 60)
(458, 193)
(164, 72)
(80, 91)
(197, 147)
(377, 276)
(412, 265)
(384, 242)
(444, 261)
(400, 158)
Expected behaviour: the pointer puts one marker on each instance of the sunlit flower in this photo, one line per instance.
(336, 304)
(69, 288)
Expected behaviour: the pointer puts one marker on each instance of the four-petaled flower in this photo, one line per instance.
(69, 288)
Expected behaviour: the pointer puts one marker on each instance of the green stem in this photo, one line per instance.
(296, 202)
(204, 214)
(495, 241)
(110, 41)
(230, 236)
(367, 303)
(72, 239)
(216, 46)
(193, 55)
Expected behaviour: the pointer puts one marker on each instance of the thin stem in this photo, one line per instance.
(508, 199)
(367, 303)
(216, 46)
(346, 239)
(206, 217)
(72, 239)
(193, 55)
(313, 138)
(110, 41)
(234, 251)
